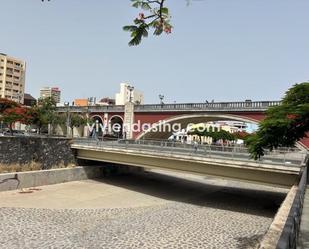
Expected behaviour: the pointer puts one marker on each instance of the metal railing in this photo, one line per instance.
(216, 106)
(239, 153)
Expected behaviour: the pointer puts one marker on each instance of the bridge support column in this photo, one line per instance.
(107, 128)
(128, 120)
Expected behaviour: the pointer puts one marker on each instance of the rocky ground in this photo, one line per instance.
(190, 214)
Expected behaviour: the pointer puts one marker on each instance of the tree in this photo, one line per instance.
(6, 103)
(43, 113)
(215, 135)
(196, 132)
(57, 119)
(241, 135)
(15, 114)
(285, 124)
(76, 120)
(220, 135)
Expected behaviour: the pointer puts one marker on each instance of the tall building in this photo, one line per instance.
(127, 92)
(51, 92)
(12, 78)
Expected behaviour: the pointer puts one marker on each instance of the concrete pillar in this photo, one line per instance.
(128, 119)
(78, 131)
(106, 123)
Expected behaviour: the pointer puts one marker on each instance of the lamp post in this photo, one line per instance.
(130, 88)
(161, 97)
(67, 105)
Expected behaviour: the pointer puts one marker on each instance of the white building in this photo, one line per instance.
(127, 92)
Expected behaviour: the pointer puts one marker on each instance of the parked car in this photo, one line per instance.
(7, 132)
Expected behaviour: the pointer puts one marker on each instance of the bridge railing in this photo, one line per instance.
(210, 106)
(239, 153)
(213, 106)
(91, 109)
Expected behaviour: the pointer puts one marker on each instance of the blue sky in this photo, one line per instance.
(226, 50)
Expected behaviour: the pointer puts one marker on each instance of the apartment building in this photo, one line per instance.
(51, 92)
(12, 78)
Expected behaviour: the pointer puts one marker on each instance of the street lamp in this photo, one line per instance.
(130, 88)
(161, 97)
(67, 105)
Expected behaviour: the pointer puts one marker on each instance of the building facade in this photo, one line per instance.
(81, 102)
(51, 92)
(29, 100)
(12, 78)
(128, 93)
(106, 101)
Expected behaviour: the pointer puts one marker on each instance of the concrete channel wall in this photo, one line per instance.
(284, 230)
(18, 180)
(12, 181)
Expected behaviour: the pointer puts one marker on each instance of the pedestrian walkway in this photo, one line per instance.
(303, 240)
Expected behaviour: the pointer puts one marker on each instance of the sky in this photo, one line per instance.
(222, 50)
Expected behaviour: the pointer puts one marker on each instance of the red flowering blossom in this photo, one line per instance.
(141, 16)
(292, 116)
(15, 114)
(6, 103)
(168, 30)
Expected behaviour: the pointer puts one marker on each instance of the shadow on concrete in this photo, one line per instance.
(213, 193)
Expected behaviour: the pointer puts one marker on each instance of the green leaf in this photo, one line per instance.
(145, 6)
(164, 11)
(130, 28)
(158, 30)
(136, 4)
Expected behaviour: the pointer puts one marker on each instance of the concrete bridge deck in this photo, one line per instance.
(235, 165)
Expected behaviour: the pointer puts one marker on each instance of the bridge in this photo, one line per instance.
(155, 116)
(280, 168)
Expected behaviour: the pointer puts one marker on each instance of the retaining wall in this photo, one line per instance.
(12, 181)
(47, 151)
